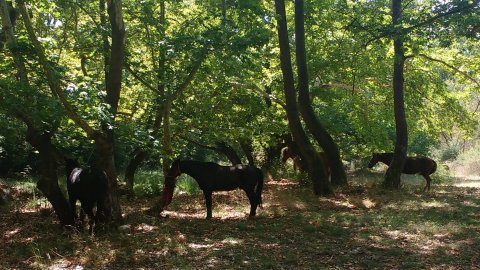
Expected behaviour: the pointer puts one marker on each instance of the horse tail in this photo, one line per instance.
(259, 188)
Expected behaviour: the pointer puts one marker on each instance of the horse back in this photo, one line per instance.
(225, 178)
(419, 165)
(87, 184)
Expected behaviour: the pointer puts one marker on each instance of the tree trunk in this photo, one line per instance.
(320, 134)
(392, 176)
(228, 151)
(49, 154)
(48, 182)
(321, 185)
(248, 150)
(139, 155)
(104, 160)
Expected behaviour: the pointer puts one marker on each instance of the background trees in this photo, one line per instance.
(203, 79)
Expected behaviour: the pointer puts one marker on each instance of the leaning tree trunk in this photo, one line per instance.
(313, 124)
(48, 182)
(49, 154)
(392, 176)
(316, 173)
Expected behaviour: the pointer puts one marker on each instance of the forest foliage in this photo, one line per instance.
(201, 78)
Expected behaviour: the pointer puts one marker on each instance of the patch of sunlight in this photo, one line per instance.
(199, 246)
(299, 205)
(142, 227)
(340, 203)
(402, 236)
(470, 203)
(434, 204)
(367, 203)
(181, 237)
(184, 215)
(9, 234)
(434, 229)
(232, 241)
(469, 181)
(64, 265)
(424, 245)
(376, 238)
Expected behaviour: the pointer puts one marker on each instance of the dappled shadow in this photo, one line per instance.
(361, 227)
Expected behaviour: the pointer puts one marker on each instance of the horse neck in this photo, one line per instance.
(190, 167)
(70, 167)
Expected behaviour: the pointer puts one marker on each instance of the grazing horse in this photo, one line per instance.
(213, 177)
(89, 186)
(297, 163)
(287, 153)
(413, 165)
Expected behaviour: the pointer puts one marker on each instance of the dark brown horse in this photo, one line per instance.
(413, 165)
(287, 153)
(213, 177)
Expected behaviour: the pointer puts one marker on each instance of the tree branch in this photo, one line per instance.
(465, 74)
(51, 75)
(389, 32)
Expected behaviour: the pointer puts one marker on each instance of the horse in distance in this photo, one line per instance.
(421, 165)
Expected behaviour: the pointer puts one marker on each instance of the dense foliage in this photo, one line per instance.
(214, 63)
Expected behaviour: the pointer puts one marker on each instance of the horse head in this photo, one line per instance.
(170, 180)
(70, 164)
(286, 154)
(373, 160)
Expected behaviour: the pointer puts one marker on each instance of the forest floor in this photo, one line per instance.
(362, 227)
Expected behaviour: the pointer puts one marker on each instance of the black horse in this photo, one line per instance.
(413, 165)
(213, 177)
(89, 186)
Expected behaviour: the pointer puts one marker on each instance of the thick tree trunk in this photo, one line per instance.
(392, 176)
(321, 185)
(48, 182)
(104, 140)
(49, 155)
(104, 160)
(320, 134)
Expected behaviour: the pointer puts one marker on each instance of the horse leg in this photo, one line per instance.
(208, 203)
(100, 214)
(88, 208)
(429, 180)
(252, 197)
(73, 209)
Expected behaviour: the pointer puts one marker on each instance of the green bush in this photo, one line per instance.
(150, 183)
(448, 152)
